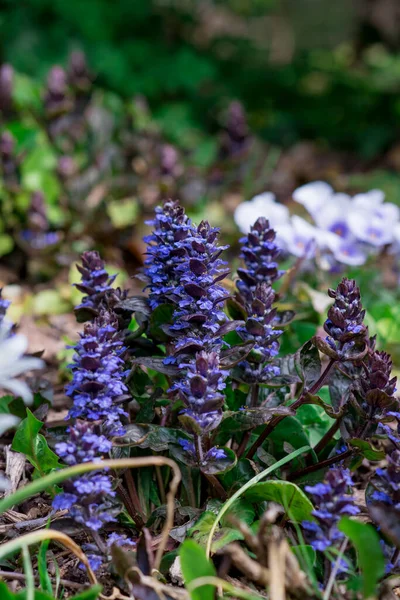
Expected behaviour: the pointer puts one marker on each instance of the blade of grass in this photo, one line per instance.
(44, 577)
(30, 580)
(226, 506)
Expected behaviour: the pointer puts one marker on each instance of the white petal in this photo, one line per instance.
(369, 200)
(313, 195)
(264, 198)
(370, 228)
(335, 210)
(18, 388)
(7, 421)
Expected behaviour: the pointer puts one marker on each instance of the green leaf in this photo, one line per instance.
(370, 556)
(241, 510)
(289, 429)
(216, 466)
(305, 554)
(241, 473)
(315, 421)
(33, 445)
(5, 593)
(194, 565)
(224, 535)
(296, 504)
(155, 437)
(367, 449)
(310, 364)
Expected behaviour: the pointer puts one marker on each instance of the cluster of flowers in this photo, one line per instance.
(97, 390)
(346, 230)
(333, 502)
(184, 269)
(372, 391)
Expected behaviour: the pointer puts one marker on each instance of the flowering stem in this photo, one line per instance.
(217, 486)
(301, 400)
(328, 436)
(253, 403)
(199, 449)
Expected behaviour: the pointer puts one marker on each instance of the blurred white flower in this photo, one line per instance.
(262, 205)
(313, 196)
(349, 253)
(13, 363)
(298, 237)
(333, 215)
(370, 228)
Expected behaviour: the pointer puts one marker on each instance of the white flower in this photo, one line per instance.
(14, 363)
(298, 237)
(313, 196)
(349, 253)
(371, 228)
(333, 215)
(262, 205)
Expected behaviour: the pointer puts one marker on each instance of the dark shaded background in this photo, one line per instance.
(304, 69)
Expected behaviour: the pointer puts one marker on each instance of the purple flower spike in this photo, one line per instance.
(260, 253)
(346, 331)
(96, 281)
(98, 369)
(259, 329)
(166, 251)
(87, 498)
(201, 391)
(332, 504)
(199, 295)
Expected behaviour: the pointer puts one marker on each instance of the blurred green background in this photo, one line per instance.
(304, 69)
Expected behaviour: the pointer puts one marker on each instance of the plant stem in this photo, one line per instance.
(247, 434)
(301, 400)
(160, 484)
(321, 465)
(199, 448)
(134, 496)
(328, 436)
(217, 486)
